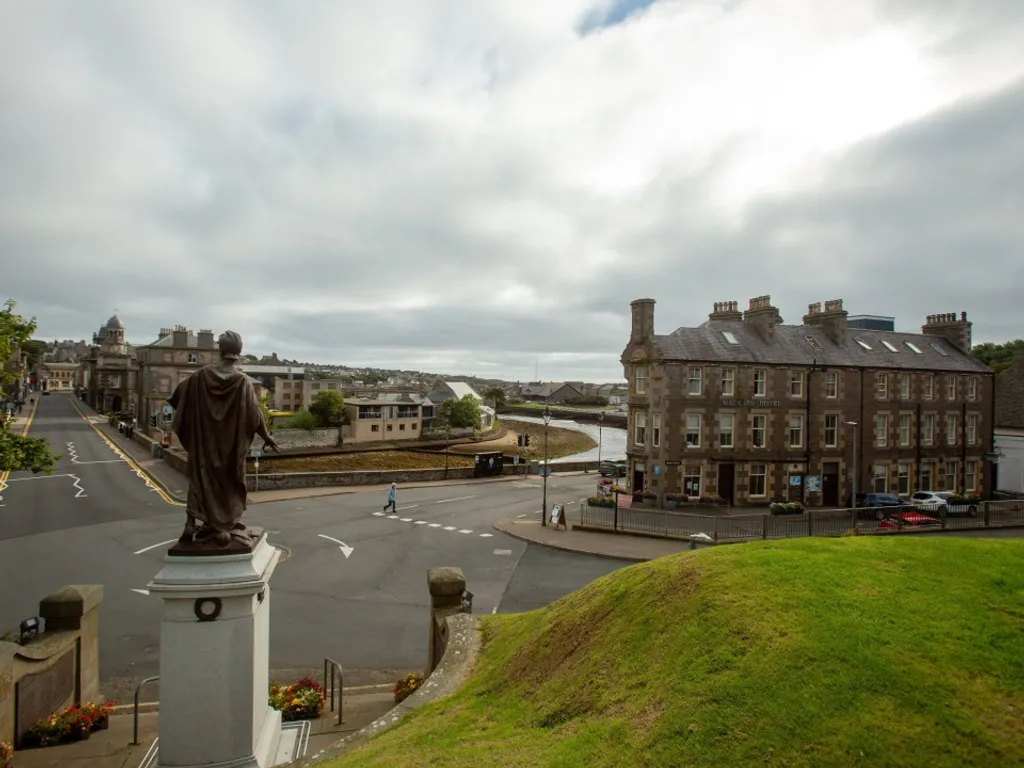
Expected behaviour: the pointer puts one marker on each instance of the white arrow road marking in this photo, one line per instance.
(154, 546)
(345, 548)
(457, 498)
(141, 591)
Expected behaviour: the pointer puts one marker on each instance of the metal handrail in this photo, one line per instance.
(338, 686)
(135, 724)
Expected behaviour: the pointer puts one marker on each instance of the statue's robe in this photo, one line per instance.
(216, 415)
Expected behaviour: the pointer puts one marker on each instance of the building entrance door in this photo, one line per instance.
(638, 477)
(727, 482)
(830, 484)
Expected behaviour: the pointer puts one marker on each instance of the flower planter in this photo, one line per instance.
(102, 724)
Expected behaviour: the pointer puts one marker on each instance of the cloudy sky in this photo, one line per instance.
(482, 186)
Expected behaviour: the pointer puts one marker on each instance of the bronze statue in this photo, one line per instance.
(216, 415)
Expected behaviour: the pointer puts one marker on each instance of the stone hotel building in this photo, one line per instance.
(749, 409)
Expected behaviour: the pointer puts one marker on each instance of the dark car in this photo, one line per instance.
(878, 503)
(612, 469)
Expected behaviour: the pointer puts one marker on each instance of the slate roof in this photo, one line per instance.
(390, 398)
(707, 343)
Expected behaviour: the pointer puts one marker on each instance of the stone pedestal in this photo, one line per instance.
(215, 660)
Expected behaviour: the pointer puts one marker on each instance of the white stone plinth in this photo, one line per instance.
(214, 674)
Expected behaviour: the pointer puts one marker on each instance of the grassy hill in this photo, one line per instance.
(902, 651)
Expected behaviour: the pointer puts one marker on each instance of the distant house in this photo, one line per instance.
(458, 390)
(553, 392)
(384, 417)
(1009, 427)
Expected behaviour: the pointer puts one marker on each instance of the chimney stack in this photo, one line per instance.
(643, 320)
(955, 330)
(726, 310)
(206, 339)
(180, 337)
(762, 317)
(831, 319)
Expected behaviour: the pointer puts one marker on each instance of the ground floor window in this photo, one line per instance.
(881, 477)
(691, 480)
(758, 479)
(926, 477)
(903, 482)
(951, 472)
(971, 477)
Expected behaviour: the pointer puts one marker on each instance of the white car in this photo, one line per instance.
(938, 502)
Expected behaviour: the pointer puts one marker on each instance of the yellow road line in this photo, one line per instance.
(151, 482)
(24, 431)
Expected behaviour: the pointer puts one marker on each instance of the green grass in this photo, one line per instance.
(898, 651)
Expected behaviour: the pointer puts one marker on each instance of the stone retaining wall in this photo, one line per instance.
(292, 439)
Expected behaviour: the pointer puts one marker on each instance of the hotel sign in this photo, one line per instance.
(756, 403)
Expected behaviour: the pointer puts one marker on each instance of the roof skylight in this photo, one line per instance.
(813, 342)
(730, 337)
(913, 347)
(864, 344)
(889, 346)
(940, 350)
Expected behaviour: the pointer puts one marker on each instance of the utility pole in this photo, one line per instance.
(544, 507)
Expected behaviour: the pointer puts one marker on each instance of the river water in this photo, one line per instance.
(612, 439)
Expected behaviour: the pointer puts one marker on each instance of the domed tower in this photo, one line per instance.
(113, 337)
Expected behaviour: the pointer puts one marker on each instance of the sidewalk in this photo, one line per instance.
(620, 546)
(112, 748)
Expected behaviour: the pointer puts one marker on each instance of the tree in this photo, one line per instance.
(461, 413)
(496, 395)
(328, 408)
(998, 356)
(267, 417)
(16, 451)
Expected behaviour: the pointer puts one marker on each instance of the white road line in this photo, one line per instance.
(141, 591)
(406, 519)
(465, 530)
(346, 550)
(411, 506)
(81, 491)
(37, 477)
(392, 517)
(101, 461)
(421, 522)
(154, 546)
(520, 515)
(486, 535)
(457, 498)
(378, 514)
(505, 552)
(494, 609)
(435, 525)
(449, 528)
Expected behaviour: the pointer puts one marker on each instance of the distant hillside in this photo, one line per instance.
(897, 651)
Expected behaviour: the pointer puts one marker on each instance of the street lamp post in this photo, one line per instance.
(856, 469)
(447, 438)
(600, 424)
(544, 503)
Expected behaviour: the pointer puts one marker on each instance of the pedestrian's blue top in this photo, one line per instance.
(391, 494)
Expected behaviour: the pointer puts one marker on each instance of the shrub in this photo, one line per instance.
(405, 686)
(73, 724)
(302, 420)
(6, 752)
(786, 507)
(302, 700)
(600, 501)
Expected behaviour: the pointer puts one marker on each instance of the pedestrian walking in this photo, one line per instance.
(392, 498)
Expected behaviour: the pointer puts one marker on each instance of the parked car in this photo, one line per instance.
(897, 520)
(612, 469)
(877, 503)
(943, 502)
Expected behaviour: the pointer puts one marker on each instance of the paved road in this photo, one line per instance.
(368, 610)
